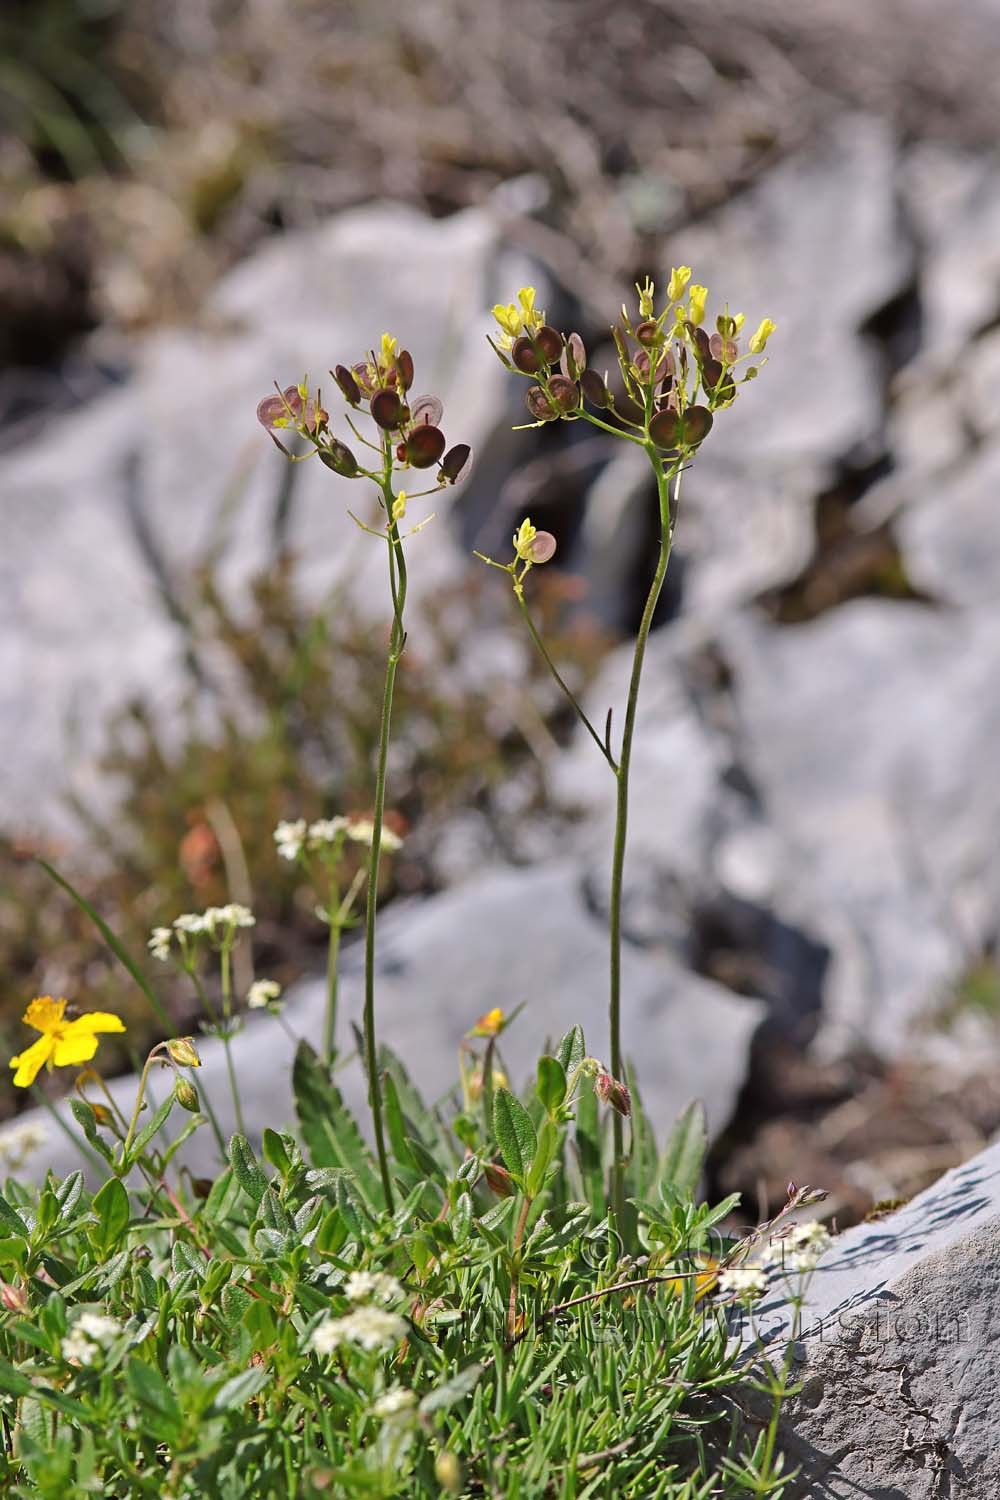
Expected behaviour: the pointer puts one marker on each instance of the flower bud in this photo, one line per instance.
(679, 278)
(182, 1049)
(348, 385)
(186, 1095)
(14, 1298)
(448, 1473)
(611, 1091)
(498, 1179)
(763, 333)
(697, 297)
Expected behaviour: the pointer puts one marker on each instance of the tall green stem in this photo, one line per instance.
(332, 964)
(227, 1010)
(397, 583)
(621, 817)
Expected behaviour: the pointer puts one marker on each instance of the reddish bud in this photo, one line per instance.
(14, 1298)
(611, 1091)
(424, 446)
(499, 1180)
(404, 369)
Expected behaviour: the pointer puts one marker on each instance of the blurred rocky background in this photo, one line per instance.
(197, 199)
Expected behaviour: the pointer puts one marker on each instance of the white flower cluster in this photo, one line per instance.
(799, 1248)
(262, 994)
(370, 1328)
(219, 923)
(90, 1334)
(395, 1402)
(743, 1283)
(291, 838)
(17, 1144)
(373, 1286)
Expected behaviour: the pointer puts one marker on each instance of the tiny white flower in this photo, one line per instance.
(800, 1247)
(19, 1142)
(77, 1349)
(362, 831)
(326, 831)
(99, 1327)
(192, 923)
(371, 1328)
(394, 1402)
(231, 916)
(376, 1286)
(290, 837)
(159, 943)
(262, 993)
(743, 1282)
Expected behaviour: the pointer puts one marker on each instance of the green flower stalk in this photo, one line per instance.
(673, 377)
(406, 436)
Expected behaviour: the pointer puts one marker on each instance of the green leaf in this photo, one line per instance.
(685, 1150)
(149, 1389)
(328, 1126)
(642, 1170)
(588, 1150)
(551, 1086)
(548, 1144)
(120, 952)
(111, 1206)
(84, 1116)
(10, 1218)
(239, 1390)
(395, 1123)
(514, 1132)
(68, 1193)
(246, 1169)
(275, 1151)
(571, 1050)
(223, 1197)
(452, 1391)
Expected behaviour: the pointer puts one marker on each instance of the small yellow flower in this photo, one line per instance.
(509, 318)
(515, 317)
(489, 1025)
(523, 538)
(388, 350)
(62, 1044)
(697, 297)
(739, 320)
(679, 278)
(760, 338)
(646, 294)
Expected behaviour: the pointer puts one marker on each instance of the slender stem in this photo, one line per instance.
(515, 1267)
(397, 583)
(332, 963)
(227, 1007)
(543, 650)
(618, 432)
(140, 1095)
(621, 816)
(212, 1017)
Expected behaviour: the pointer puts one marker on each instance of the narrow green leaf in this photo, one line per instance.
(11, 1218)
(571, 1050)
(328, 1126)
(84, 1116)
(120, 952)
(238, 1390)
(588, 1150)
(147, 1132)
(68, 1193)
(548, 1144)
(685, 1150)
(395, 1122)
(514, 1132)
(453, 1390)
(275, 1152)
(246, 1169)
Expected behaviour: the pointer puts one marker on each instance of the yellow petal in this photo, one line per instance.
(68, 1050)
(44, 1013)
(94, 1020)
(29, 1062)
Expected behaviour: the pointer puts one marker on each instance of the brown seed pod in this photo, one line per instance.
(339, 458)
(722, 348)
(426, 410)
(648, 333)
(363, 377)
(665, 429)
(524, 357)
(348, 385)
(404, 369)
(387, 410)
(697, 423)
(424, 446)
(573, 358)
(564, 392)
(456, 463)
(549, 342)
(594, 388)
(539, 405)
(700, 339)
(711, 373)
(271, 410)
